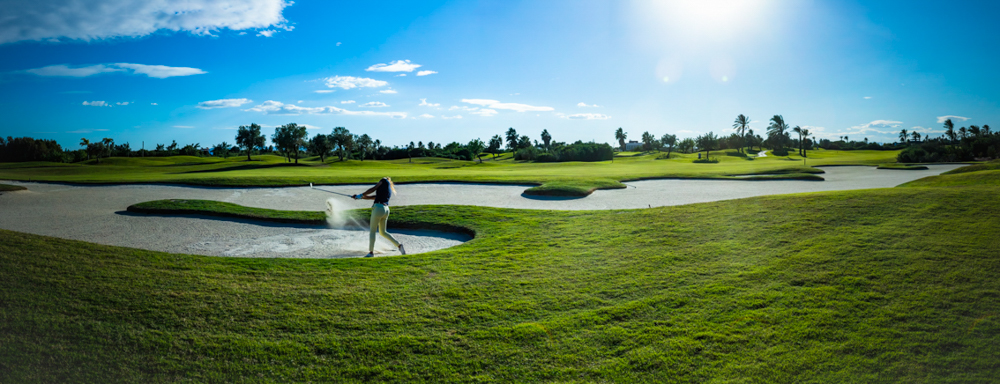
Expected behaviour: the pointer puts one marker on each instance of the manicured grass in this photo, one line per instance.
(857, 286)
(786, 176)
(908, 167)
(217, 208)
(569, 178)
(11, 188)
(578, 188)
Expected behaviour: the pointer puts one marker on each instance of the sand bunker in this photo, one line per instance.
(97, 213)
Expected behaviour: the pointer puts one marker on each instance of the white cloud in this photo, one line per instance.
(324, 91)
(267, 33)
(348, 82)
(272, 107)
(157, 71)
(184, 126)
(99, 103)
(122, 103)
(425, 73)
(395, 66)
(584, 105)
(424, 103)
(941, 119)
(494, 104)
(338, 43)
(347, 102)
(298, 102)
(484, 112)
(54, 20)
(153, 104)
(389, 91)
(588, 116)
(426, 116)
(868, 97)
(223, 103)
(374, 104)
(401, 75)
(451, 117)
(464, 108)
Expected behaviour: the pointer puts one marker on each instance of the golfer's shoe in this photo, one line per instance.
(401, 249)
(370, 254)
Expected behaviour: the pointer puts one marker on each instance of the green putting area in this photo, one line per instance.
(560, 179)
(894, 284)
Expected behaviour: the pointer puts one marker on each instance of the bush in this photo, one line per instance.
(780, 152)
(546, 158)
(707, 160)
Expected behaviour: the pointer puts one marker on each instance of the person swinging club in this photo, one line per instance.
(383, 190)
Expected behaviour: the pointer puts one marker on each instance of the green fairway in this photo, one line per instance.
(568, 179)
(879, 285)
(11, 188)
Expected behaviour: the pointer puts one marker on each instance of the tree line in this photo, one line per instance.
(974, 143)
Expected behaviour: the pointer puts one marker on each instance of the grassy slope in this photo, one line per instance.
(556, 178)
(977, 174)
(877, 285)
(11, 188)
(905, 167)
(217, 208)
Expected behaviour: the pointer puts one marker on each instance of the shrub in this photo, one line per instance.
(780, 152)
(546, 158)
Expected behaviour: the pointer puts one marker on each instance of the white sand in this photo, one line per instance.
(97, 213)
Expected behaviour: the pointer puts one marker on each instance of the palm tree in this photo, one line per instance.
(512, 139)
(804, 135)
(777, 129)
(949, 130)
(84, 143)
(750, 133)
(798, 130)
(546, 138)
(621, 135)
(902, 136)
(962, 132)
(740, 125)
(915, 135)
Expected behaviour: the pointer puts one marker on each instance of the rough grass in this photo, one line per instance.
(570, 178)
(856, 286)
(11, 188)
(900, 166)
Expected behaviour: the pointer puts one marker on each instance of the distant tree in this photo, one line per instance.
(350, 144)
(707, 143)
(476, 146)
(802, 141)
(647, 141)
(986, 130)
(225, 149)
(495, 143)
(524, 142)
(512, 139)
(741, 124)
(621, 135)
(320, 145)
(86, 144)
(903, 136)
(173, 146)
(974, 130)
(365, 145)
(963, 133)
(376, 148)
(338, 140)
(949, 130)
(805, 138)
(916, 136)
(247, 137)
(668, 141)
(109, 145)
(687, 145)
(777, 131)
(546, 138)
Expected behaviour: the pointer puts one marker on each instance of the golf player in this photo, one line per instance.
(383, 190)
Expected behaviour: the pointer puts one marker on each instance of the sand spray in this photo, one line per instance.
(337, 217)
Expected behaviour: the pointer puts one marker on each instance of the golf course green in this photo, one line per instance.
(561, 179)
(895, 284)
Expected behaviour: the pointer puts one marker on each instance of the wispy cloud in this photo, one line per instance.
(941, 119)
(584, 105)
(374, 104)
(587, 116)
(98, 103)
(347, 102)
(868, 97)
(153, 104)
(348, 82)
(184, 126)
(395, 66)
(267, 33)
(272, 107)
(424, 103)
(54, 20)
(388, 91)
(494, 104)
(324, 91)
(426, 116)
(156, 71)
(223, 103)
(425, 73)
(451, 117)
(484, 112)
(123, 103)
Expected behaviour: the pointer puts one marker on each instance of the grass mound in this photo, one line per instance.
(828, 287)
(785, 176)
(900, 166)
(218, 208)
(11, 188)
(573, 188)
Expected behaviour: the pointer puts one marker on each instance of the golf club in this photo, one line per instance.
(335, 193)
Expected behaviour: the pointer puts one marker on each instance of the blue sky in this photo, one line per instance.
(155, 72)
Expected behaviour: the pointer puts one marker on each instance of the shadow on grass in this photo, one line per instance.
(550, 197)
(244, 167)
